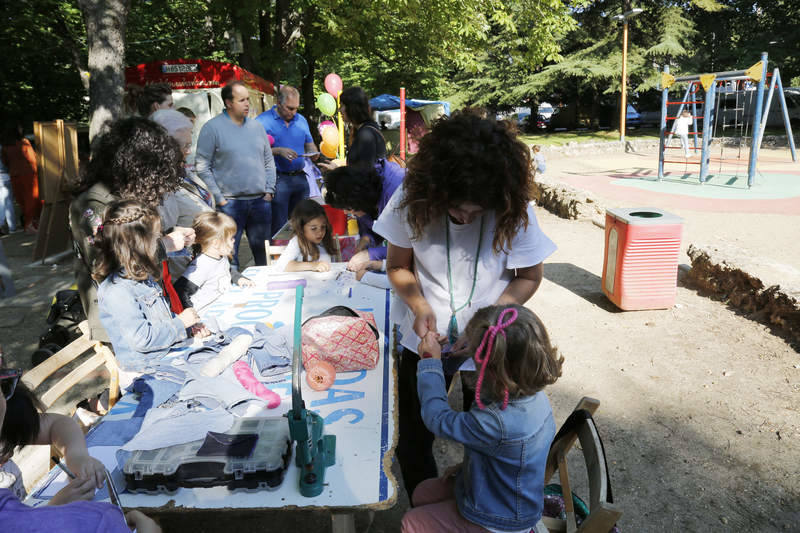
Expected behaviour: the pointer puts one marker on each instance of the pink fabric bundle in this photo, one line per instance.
(248, 380)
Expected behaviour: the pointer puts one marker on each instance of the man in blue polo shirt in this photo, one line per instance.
(292, 139)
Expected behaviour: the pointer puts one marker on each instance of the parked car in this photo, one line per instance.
(546, 110)
(532, 124)
(632, 117)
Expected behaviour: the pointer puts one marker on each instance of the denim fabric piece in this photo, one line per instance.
(153, 392)
(270, 352)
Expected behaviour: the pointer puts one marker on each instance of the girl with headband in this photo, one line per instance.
(506, 434)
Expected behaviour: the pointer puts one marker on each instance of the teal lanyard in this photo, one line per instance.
(452, 328)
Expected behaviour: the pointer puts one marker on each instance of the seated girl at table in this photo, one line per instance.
(311, 247)
(209, 274)
(23, 423)
(500, 485)
(133, 310)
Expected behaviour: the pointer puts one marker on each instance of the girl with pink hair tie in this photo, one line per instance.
(506, 434)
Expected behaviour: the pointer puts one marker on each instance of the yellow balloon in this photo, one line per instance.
(330, 135)
(328, 150)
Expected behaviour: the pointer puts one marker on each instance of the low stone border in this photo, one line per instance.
(768, 292)
(566, 201)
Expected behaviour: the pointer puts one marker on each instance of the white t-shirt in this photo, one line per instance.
(293, 253)
(529, 248)
(682, 125)
(212, 277)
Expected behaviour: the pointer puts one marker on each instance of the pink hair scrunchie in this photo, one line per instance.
(491, 333)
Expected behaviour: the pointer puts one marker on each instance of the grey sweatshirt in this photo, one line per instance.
(235, 161)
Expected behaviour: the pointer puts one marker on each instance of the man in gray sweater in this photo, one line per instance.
(234, 159)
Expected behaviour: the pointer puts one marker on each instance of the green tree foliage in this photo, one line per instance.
(494, 53)
(44, 55)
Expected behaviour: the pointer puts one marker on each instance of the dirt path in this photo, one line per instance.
(699, 406)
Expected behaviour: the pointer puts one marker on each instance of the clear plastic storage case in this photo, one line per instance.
(211, 462)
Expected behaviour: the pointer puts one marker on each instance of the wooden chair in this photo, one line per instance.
(31, 459)
(603, 514)
(275, 251)
(102, 356)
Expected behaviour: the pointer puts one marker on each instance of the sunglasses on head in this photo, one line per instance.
(9, 377)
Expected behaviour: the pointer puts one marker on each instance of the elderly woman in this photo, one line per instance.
(193, 196)
(137, 159)
(462, 235)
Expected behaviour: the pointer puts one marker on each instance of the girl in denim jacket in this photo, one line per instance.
(506, 435)
(133, 309)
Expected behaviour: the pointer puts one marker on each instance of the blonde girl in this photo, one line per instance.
(209, 274)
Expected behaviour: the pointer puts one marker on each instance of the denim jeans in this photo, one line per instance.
(253, 216)
(290, 189)
(7, 206)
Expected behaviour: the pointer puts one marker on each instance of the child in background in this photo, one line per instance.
(133, 311)
(311, 247)
(682, 124)
(209, 275)
(538, 159)
(500, 485)
(23, 423)
(7, 214)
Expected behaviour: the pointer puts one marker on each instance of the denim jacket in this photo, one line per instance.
(501, 483)
(138, 321)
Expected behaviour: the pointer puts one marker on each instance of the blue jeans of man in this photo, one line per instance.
(253, 216)
(290, 189)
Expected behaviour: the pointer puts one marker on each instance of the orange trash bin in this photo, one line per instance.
(640, 264)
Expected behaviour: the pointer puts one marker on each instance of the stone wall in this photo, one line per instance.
(767, 291)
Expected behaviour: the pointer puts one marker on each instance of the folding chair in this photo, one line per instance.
(603, 514)
(273, 251)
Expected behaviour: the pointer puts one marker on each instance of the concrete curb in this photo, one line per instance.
(768, 292)
(641, 145)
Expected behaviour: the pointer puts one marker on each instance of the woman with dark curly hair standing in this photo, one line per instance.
(135, 159)
(367, 144)
(462, 235)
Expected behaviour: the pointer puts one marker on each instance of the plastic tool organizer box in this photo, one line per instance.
(168, 469)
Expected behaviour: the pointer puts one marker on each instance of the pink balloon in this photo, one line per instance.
(324, 124)
(333, 84)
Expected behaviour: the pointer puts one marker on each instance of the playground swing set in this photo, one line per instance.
(747, 120)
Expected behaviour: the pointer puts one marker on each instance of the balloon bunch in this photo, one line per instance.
(326, 103)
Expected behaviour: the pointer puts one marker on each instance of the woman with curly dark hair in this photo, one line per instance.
(134, 159)
(364, 193)
(462, 235)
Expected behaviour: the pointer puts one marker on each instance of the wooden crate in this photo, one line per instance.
(60, 148)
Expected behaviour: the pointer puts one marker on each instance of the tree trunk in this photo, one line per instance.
(307, 88)
(105, 22)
